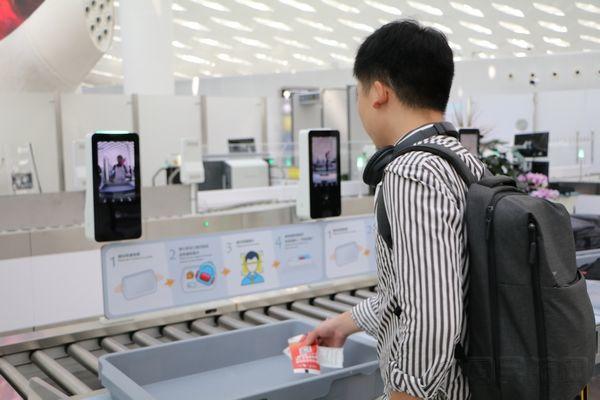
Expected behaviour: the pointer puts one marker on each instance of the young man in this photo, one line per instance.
(404, 74)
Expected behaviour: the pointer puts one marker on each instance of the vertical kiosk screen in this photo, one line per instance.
(116, 184)
(325, 192)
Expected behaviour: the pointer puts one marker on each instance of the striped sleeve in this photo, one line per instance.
(426, 226)
(365, 314)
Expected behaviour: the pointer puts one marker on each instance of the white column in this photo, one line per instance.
(146, 31)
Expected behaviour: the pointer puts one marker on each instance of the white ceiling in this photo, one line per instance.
(240, 37)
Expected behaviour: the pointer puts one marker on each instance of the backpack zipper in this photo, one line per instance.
(492, 279)
(539, 311)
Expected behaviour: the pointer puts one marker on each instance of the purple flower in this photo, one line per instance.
(545, 193)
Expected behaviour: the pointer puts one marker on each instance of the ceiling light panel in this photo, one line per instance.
(476, 27)
(589, 24)
(314, 24)
(588, 7)
(271, 23)
(309, 59)
(180, 45)
(298, 5)
(556, 41)
(341, 57)
(520, 43)
(181, 75)
(356, 25)
(590, 38)
(426, 8)
(193, 25)
(553, 27)
(330, 42)
(106, 74)
(194, 59)
(454, 46)
(212, 43)
(267, 58)
(484, 43)
(384, 7)
(256, 5)
(520, 54)
(508, 10)
(467, 9)
(213, 5)
(548, 9)
(178, 7)
(291, 43)
(252, 42)
(341, 6)
(436, 25)
(516, 28)
(233, 60)
(112, 58)
(238, 26)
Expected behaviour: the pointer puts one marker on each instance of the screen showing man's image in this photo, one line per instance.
(116, 163)
(324, 161)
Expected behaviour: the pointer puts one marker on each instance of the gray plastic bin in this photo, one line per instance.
(241, 364)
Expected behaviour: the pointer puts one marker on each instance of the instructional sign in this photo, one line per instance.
(150, 276)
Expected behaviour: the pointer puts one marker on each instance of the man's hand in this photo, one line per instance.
(333, 332)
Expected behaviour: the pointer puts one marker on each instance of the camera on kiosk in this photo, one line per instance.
(320, 179)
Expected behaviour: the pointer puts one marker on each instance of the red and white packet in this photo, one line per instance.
(310, 359)
(305, 359)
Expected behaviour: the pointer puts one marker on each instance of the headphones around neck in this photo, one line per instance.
(373, 173)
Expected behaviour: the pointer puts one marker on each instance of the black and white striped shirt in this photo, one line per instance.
(425, 274)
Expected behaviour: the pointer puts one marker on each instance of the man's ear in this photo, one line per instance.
(380, 93)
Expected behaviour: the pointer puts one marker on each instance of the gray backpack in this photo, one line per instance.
(530, 320)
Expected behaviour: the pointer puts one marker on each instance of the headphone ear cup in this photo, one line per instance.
(373, 173)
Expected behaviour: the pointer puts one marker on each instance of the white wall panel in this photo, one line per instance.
(335, 116)
(592, 127)
(562, 114)
(163, 121)
(304, 116)
(29, 117)
(84, 113)
(234, 117)
(16, 294)
(498, 114)
(356, 132)
(65, 287)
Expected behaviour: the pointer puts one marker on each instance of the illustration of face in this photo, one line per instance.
(252, 263)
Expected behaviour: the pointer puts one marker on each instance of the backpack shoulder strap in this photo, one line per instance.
(383, 224)
(441, 151)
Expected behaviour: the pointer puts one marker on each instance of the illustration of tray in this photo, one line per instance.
(242, 364)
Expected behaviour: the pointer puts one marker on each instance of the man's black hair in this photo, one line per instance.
(415, 61)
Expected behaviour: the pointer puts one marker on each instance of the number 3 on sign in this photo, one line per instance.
(228, 247)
